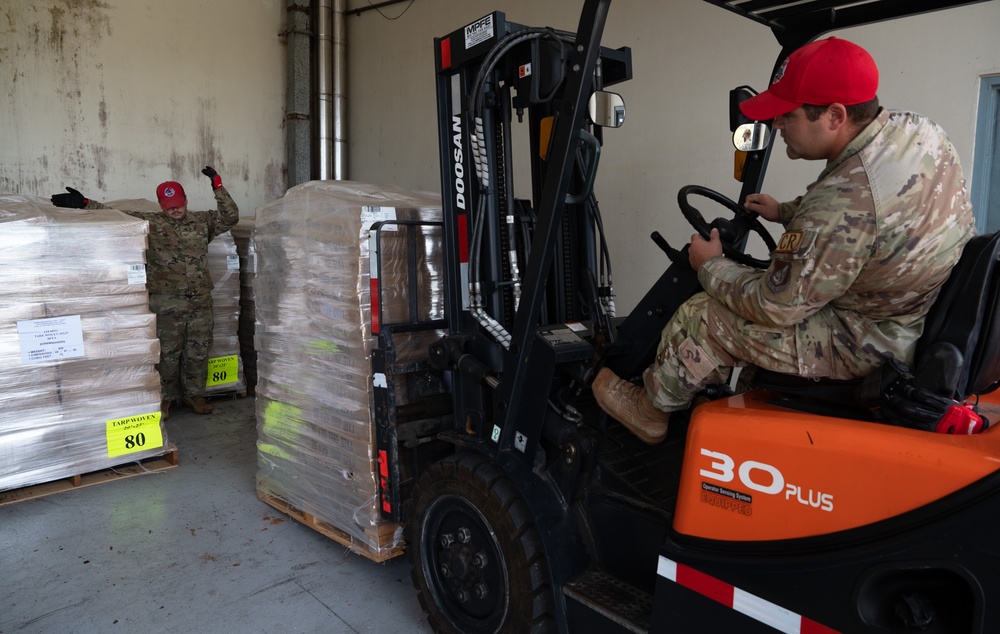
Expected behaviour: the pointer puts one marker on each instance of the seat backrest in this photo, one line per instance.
(966, 314)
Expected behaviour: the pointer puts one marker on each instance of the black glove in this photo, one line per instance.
(211, 173)
(72, 200)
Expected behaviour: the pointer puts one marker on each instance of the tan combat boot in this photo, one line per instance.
(165, 410)
(198, 404)
(629, 405)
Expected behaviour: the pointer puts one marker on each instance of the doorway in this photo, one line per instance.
(986, 167)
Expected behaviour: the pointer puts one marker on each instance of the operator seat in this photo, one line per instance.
(966, 315)
(957, 357)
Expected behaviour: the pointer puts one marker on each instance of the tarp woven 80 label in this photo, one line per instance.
(132, 434)
(223, 370)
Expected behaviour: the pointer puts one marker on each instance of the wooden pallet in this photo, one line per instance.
(169, 460)
(383, 535)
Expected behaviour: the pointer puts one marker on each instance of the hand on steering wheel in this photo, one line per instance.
(701, 250)
(731, 232)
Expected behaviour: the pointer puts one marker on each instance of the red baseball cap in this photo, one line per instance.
(823, 72)
(170, 194)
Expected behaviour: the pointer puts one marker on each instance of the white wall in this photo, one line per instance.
(114, 96)
(687, 54)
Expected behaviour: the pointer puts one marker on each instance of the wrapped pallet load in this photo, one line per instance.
(314, 339)
(78, 347)
(225, 363)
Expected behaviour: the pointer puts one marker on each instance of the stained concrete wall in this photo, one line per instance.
(114, 96)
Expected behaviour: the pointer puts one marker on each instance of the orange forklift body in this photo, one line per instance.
(759, 472)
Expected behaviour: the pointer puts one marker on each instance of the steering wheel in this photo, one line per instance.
(731, 232)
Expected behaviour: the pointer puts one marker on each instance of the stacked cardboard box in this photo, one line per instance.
(314, 341)
(78, 344)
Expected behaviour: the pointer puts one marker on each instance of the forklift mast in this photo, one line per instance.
(514, 265)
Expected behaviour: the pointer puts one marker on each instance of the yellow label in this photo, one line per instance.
(134, 433)
(222, 370)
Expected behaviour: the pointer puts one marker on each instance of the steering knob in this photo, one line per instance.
(728, 232)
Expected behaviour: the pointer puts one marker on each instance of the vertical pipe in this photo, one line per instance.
(324, 90)
(298, 95)
(340, 89)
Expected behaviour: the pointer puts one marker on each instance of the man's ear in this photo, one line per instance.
(838, 115)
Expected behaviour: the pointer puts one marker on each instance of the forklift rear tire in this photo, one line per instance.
(478, 562)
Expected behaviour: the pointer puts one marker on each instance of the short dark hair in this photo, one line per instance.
(860, 114)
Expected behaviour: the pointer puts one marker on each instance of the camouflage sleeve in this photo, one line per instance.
(786, 211)
(96, 204)
(823, 250)
(226, 215)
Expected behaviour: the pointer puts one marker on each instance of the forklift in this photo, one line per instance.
(792, 507)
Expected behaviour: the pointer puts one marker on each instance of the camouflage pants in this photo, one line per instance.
(184, 326)
(704, 340)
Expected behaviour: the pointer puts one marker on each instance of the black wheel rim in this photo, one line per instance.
(464, 566)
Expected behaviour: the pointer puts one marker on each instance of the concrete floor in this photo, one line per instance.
(190, 549)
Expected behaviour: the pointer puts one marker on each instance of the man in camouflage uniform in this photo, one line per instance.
(864, 253)
(180, 287)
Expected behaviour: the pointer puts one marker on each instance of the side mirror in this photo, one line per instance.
(750, 137)
(606, 109)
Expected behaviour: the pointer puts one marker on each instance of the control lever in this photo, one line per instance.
(677, 257)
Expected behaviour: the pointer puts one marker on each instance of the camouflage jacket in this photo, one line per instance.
(177, 256)
(874, 238)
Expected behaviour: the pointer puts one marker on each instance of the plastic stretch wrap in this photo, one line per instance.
(313, 341)
(224, 268)
(78, 344)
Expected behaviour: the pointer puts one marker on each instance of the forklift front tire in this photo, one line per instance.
(478, 563)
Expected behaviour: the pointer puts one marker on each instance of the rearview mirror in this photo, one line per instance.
(751, 136)
(606, 109)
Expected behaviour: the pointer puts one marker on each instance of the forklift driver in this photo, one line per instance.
(863, 256)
